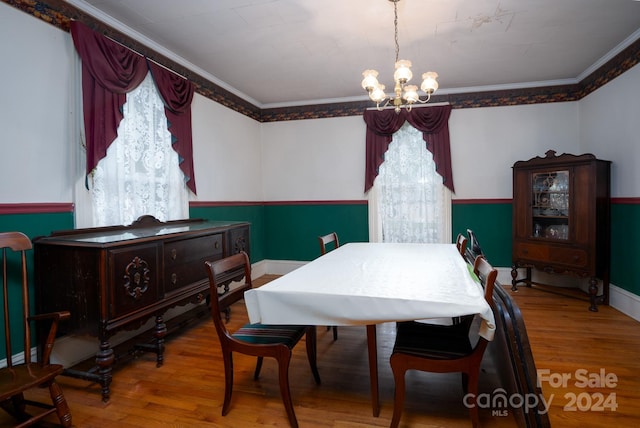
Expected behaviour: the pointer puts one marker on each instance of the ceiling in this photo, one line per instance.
(290, 52)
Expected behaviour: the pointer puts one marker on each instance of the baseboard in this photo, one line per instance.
(282, 267)
(260, 268)
(624, 301)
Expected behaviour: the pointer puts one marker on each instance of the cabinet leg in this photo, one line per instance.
(514, 277)
(159, 334)
(101, 373)
(593, 294)
(104, 360)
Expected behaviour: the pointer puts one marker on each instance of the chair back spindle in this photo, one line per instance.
(17, 243)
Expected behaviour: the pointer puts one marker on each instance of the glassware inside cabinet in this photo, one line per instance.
(550, 204)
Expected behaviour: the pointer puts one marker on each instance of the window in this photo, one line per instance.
(411, 203)
(140, 174)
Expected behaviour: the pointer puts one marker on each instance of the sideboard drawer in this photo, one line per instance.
(184, 259)
(135, 277)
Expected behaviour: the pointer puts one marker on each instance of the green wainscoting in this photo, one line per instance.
(293, 228)
(32, 225)
(625, 234)
(251, 213)
(36, 224)
(289, 231)
(491, 223)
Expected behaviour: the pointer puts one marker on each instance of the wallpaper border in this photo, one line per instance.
(59, 13)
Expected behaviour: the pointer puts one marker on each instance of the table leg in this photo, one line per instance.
(372, 345)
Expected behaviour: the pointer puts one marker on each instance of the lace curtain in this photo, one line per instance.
(140, 174)
(410, 202)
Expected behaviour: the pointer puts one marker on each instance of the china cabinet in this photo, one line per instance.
(561, 225)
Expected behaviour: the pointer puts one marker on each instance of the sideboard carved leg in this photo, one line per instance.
(159, 334)
(104, 360)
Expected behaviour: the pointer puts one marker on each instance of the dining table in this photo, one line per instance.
(364, 283)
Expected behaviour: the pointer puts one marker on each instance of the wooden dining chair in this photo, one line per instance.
(327, 242)
(474, 245)
(259, 340)
(442, 349)
(22, 375)
(461, 244)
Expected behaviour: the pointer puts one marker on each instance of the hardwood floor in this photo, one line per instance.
(568, 340)
(188, 390)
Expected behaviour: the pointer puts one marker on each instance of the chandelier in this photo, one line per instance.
(404, 95)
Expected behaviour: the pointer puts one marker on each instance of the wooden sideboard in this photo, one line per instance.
(117, 278)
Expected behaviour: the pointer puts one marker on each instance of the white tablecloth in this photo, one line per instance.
(371, 283)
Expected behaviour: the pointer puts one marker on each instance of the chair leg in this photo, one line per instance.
(472, 390)
(283, 376)
(465, 383)
(256, 373)
(398, 369)
(310, 339)
(335, 333)
(227, 357)
(60, 403)
(16, 407)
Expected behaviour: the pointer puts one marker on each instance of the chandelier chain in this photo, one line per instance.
(404, 94)
(395, 26)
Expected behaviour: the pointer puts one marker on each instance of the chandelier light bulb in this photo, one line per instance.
(370, 80)
(429, 82)
(411, 94)
(377, 95)
(403, 71)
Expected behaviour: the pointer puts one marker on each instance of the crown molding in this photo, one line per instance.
(60, 13)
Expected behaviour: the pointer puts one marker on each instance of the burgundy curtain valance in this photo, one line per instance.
(433, 122)
(177, 93)
(109, 71)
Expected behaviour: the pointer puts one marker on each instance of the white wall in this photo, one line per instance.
(610, 129)
(36, 163)
(239, 159)
(314, 159)
(38, 151)
(486, 142)
(323, 159)
(227, 153)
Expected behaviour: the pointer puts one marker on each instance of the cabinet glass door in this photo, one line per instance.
(550, 205)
